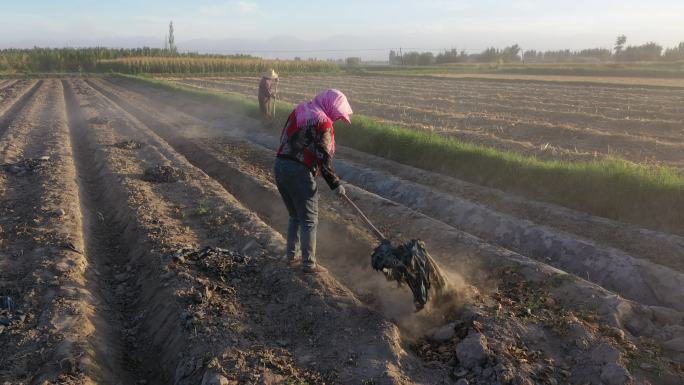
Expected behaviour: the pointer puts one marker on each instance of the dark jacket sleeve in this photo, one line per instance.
(325, 159)
(272, 88)
(266, 88)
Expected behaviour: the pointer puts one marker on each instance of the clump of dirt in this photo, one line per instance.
(270, 365)
(163, 174)
(129, 145)
(8, 313)
(520, 335)
(214, 259)
(27, 166)
(213, 311)
(97, 120)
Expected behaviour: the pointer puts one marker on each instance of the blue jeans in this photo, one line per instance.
(297, 187)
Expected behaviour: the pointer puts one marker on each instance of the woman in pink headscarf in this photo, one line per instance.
(307, 146)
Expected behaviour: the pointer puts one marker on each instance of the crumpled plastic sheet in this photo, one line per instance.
(410, 264)
(27, 166)
(163, 174)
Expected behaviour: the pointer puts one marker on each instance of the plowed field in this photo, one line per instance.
(546, 119)
(101, 280)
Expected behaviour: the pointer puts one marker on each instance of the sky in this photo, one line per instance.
(325, 29)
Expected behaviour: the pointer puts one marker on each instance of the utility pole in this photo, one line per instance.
(522, 55)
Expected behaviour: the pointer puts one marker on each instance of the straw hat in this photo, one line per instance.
(270, 74)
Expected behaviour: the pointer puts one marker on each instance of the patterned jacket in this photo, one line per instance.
(312, 145)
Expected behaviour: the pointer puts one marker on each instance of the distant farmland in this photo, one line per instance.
(549, 120)
(210, 65)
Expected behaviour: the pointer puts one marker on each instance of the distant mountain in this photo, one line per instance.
(113, 42)
(281, 46)
(287, 47)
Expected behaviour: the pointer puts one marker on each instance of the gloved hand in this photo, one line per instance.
(339, 191)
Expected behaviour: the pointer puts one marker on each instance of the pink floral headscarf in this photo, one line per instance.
(330, 104)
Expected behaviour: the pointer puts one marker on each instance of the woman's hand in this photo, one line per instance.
(339, 191)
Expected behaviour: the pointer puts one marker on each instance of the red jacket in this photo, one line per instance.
(311, 145)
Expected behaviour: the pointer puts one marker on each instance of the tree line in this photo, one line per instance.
(84, 59)
(211, 65)
(514, 54)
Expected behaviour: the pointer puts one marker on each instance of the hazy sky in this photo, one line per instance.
(277, 28)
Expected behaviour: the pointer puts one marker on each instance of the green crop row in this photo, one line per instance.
(208, 65)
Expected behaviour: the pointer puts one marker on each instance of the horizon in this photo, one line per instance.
(268, 29)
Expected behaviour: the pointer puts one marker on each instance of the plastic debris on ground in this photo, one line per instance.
(27, 166)
(163, 174)
(412, 265)
(129, 145)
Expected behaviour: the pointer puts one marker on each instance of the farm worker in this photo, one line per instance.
(307, 146)
(267, 93)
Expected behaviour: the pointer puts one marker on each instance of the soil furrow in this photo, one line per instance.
(270, 301)
(473, 105)
(350, 262)
(653, 245)
(109, 281)
(4, 85)
(550, 246)
(43, 266)
(401, 90)
(550, 132)
(659, 247)
(243, 172)
(195, 154)
(116, 358)
(18, 101)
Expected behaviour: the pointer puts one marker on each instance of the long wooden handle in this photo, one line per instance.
(370, 225)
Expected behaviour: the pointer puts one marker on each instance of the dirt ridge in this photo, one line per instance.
(47, 281)
(551, 126)
(347, 318)
(18, 102)
(555, 246)
(248, 180)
